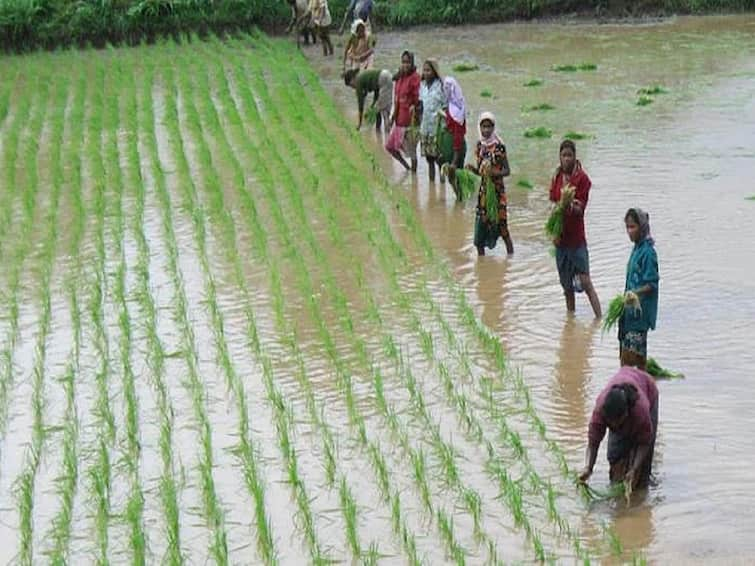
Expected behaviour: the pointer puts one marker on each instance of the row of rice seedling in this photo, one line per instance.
(25, 482)
(213, 512)
(13, 258)
(247, 450)
(124, 111)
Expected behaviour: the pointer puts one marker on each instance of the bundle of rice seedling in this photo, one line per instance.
(465, 67)
(525, 184)
(644, 100)
(539, 132)
(370, 116)
(534, 82)
(486, 94)
(616, 308)
(572, 135)
(652, 91)
(658, 372)
(554, 226)
(468, 182)
(591, 494)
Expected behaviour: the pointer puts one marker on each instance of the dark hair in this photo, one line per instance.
(634, 215)
(620, 399)
(569, 144)
(349, 75)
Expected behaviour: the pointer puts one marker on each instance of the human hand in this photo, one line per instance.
(470, 167)
(584, 475)
(556, 242)
(485, 168)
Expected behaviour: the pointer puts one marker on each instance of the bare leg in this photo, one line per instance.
(398, 157)
(508, 241)
(570, 303)
(431, 168)
(587, 285)
(414, 164)
(480, 250)
(629, 358)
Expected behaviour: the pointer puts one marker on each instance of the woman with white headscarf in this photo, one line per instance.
(493, 165)
(359, 51)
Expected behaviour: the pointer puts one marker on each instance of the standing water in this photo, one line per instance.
(687, 157)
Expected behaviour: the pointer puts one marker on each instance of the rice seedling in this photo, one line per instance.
(572, 135)
(616, 309)
(468, 183)
(349, 510)
(659, 372)
(534, 83)
(525, 184)
(539, 132)
(554, 226)
(751, 197)
(370, 115)
(542, 107)
(465, 67)
(644, 100)
(486, 93)
(573, 68)
(652, 90)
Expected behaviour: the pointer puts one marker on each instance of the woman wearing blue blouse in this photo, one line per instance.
(642, 280)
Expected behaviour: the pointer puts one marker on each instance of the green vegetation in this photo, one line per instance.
(538, 132)
(659, 372)
(644, 100)
(534, 82)
(525, 184)
(543, 107)
(486, 94)
(652, 91)
(572, 68)
(465, 67)
(571, 135)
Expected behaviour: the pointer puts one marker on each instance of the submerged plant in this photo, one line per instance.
(542, 107)
(465, 67)
(539, 132)
(534, 82)
(572, 135)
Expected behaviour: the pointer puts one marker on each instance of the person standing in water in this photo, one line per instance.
(642, 280)
(452, 146)
(359, 52)
(628, 408)
(378, 82)
(493, 164)
(572, 257)
(432, 99)
(403, 137)
(319, 15)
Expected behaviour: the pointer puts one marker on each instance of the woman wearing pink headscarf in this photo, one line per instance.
(451, 141)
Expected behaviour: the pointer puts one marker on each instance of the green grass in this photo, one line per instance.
(534, 83)
(542, 107)
(573, 68)
(539, 132)
(644, 100)
(465, 67)
(485, 93)
(572, 135)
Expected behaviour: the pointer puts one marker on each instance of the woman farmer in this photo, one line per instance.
(452, 147)
(572, 258)
(319, 15)
(403, 138)
(628, 407)
(432, 99)
(493, 166)
(359, 52)
(378, 82)
(642, 280)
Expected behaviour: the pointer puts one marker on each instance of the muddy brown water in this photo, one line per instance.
(688, 158)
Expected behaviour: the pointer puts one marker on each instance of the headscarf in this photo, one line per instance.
(493, 138)
(644, 221)
(434, 66)
(355, 26)
(456, 105)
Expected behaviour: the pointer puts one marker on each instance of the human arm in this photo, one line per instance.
(500, 161)
(581, 194)
(596, 431)
(591, 455)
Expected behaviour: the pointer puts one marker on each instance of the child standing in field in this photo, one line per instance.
(432, 99)
(572, 257)
(493, 165)
(403, 136)
(378, 82)
(319, 16)
(642, 280)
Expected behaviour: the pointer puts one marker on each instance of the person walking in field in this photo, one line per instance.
(451, 131)
(628, 408)
(404, 132)
(318, 13)
(359, 52)
(432, 100)
(381, 84)
(493, 165)
(572, 257)
(642, 280)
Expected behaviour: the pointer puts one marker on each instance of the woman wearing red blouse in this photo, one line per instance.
(403, 137)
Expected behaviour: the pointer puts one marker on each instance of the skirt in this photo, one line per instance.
(572, 262)
(429, 144)
(402, 139)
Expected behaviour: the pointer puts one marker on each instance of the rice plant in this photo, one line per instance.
(542, 107)
(572, 135)
(534, 82)
(465, 67)
(539, 132)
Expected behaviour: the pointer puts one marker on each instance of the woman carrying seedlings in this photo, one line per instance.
(359, 52)
(642, 280)
(378, 82)
(451, 144)
(493, 166)
(572, 257)
(628, 407)
(432, 99)
(403, 136)
(319, 15)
